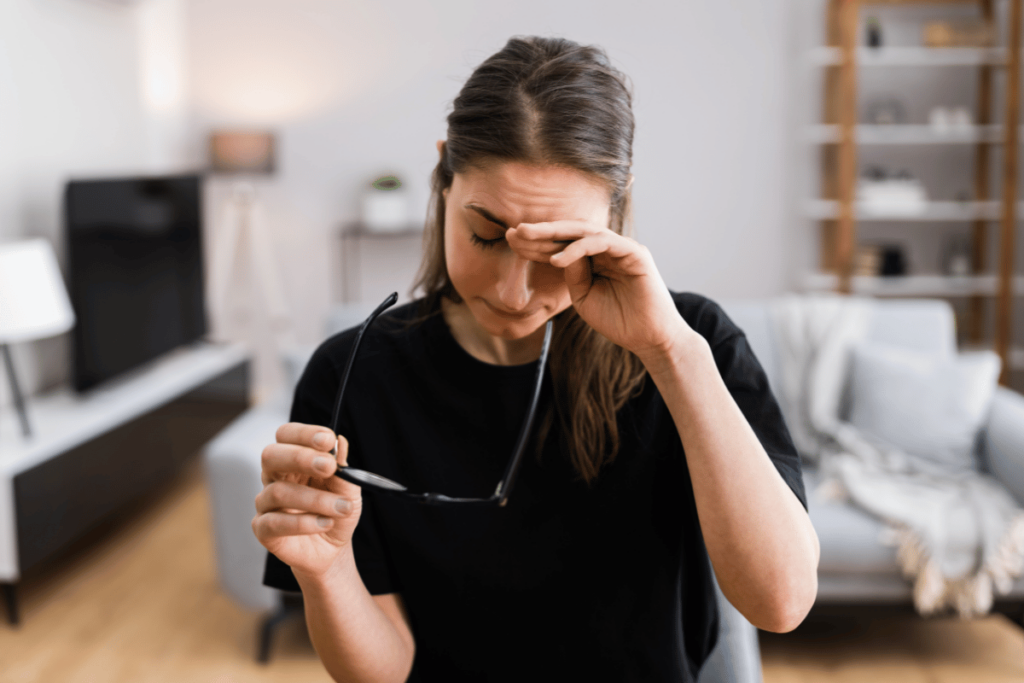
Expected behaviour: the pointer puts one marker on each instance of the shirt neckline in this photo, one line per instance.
(447, 347)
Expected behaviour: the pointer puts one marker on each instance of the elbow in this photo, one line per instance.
(791, 607)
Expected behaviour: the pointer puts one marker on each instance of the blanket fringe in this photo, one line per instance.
(970, 596)
(831, 489)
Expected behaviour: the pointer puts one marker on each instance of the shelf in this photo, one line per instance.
(923, 134)
(911, 56)
(828, 209)
(913, 285)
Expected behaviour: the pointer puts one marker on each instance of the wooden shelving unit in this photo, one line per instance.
(841, 134)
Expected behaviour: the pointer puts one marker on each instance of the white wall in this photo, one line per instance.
(73, 104)
(354, 90)
(357, 89)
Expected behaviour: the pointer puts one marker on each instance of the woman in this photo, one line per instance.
(659, 445)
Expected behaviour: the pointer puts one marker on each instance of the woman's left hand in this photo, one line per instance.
(613, 282)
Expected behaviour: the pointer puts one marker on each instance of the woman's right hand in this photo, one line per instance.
(305, 515)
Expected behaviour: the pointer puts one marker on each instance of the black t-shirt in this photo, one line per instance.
(566, 582)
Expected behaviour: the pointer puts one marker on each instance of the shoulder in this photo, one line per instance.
(706, 317)
(391, 328)
(391, 331)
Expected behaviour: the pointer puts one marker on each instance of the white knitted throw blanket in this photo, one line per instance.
(958, 535)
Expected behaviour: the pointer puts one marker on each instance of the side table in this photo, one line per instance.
(352, 235)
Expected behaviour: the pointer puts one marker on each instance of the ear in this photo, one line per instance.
(440, 148)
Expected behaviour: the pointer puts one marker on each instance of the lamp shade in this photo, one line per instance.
(33, 301)
(242, 151)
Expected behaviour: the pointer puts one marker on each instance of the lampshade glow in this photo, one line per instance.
(33, 300)
(242, 151)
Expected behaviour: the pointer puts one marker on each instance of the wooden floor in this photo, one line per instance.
(139, 602)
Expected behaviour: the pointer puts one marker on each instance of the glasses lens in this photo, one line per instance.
(364, 478)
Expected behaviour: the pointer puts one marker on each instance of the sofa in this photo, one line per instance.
(855, 567)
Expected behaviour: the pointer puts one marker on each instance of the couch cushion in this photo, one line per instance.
(925, 325)
(849, 536)
(927, 405)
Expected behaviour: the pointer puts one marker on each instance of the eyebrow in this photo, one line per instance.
(486, 214)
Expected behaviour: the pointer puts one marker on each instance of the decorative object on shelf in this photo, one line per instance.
(868, 260)
(874, 33)
(958, 34)
(885, 111)
(957, 256)
(944, 120)
(894, 261)
(386, 206)
(33, 302)
(896, 193)
(246, 155)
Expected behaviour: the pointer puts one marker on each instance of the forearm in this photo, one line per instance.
(355, 639)
(759, 537)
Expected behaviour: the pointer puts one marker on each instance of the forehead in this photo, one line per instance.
(523, 193)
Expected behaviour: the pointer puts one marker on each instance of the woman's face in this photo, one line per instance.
(509, 296)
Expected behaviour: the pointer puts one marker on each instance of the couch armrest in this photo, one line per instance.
(1004, 441)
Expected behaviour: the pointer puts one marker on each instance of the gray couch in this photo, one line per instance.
(854, 567)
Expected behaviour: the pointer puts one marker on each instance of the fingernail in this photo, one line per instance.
(343, 506)
(320, 439)
(324, 522)
(323, 464)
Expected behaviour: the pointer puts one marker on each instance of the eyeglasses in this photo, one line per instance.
(376, 482)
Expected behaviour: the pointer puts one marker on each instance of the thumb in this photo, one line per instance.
(345, 489)
(579, 278)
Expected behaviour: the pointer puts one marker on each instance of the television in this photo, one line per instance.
(135, 271)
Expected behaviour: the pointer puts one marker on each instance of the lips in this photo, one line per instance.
(509, 314)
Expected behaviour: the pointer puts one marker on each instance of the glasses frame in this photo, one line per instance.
(375, 482)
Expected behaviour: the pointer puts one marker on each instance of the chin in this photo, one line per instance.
(507, 328)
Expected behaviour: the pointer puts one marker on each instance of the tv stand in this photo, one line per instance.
(92, 453)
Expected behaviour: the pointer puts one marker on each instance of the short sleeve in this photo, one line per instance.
(748, 384)
(313, 403)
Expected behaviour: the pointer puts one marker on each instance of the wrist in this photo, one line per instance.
(343, 565)
(683, 348)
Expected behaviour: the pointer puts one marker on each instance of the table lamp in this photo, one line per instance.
(33, 304)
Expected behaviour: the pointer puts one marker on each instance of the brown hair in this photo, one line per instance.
(550, 101)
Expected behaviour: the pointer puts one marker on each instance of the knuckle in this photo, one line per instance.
(267, 455)
(282, 432)
(272, 495)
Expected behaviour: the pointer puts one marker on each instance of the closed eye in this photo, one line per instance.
(485, 244)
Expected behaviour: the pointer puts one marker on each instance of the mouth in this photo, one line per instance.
(511, 315)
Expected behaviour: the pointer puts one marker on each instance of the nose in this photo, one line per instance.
(514, 287)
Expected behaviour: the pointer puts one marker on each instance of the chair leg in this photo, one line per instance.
(288, 606)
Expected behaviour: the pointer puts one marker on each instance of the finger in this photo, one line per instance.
(628, 255)
(313, 436)
(283, 496)
(343, 487)
(279, 459)
(566, 230)
(534, 251)
(271, 525)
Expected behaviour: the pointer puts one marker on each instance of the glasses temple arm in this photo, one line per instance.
(505, 485)
(387, 303)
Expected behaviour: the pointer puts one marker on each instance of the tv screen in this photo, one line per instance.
(135, 271)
